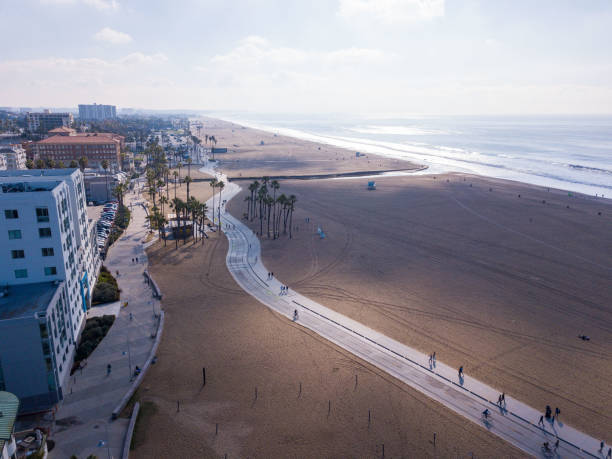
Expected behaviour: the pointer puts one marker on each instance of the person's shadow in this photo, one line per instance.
(461, 380)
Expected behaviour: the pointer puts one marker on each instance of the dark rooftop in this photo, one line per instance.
(26, 300)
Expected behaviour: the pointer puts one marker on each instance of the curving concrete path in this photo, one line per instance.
(83, 419)
(517, 423)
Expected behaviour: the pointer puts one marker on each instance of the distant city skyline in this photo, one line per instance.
(346, 56)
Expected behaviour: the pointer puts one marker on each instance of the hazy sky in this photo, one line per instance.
(359, 56)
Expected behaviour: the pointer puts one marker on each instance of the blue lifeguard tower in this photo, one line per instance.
(371, 185)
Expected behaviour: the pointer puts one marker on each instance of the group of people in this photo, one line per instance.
(432, 360)
(284, 290)
(135, 260)
(548, 415)
(501, 400)
(270, 276)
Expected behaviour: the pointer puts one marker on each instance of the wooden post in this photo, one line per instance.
(434, 439)
(355, 381)
(255, 392)
(216, 428)
(369, 417)
(328, 407)
(178, 406)
(300, 393)
(203, 376)
(383, 450)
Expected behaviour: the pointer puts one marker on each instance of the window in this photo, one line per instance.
(17, 254)
(44, 232)
(11, 213)
(47, 252)
(21, 273)
(14, 234)
(50, 271)
(42, 214)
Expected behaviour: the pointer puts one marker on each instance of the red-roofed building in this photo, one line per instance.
(96, 147)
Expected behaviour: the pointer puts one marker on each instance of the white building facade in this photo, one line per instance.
(96, 112)
(14, 156)
(49, 264)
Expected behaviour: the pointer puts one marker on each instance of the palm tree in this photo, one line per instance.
(163, 200)
(73, 164)
(60, 165)
(50, 163)
(105, 167)
(175, 174)
(119, 192)
(220, 185)
(40, 164)
(213, 184)
(83, 161)
(275, 186)
(178, 205)
(179, 165)
(292, 200)
(261, 196)
(253, 187)
(282, 201)
(188, 181)
(189, 166)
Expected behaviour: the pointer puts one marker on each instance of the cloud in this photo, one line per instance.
(112, 36)
(392, 11)
(257, 54)
(98, 4)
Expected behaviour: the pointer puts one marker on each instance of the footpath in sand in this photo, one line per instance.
(465, 395)
(83, 424)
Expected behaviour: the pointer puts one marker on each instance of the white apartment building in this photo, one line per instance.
(49, 264)
(97, 112)
(14, 156)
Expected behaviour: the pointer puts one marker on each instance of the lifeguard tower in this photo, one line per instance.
(372, 185)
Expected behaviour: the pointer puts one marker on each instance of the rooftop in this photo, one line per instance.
(62, 129)
(104, 138)
(26, 300)
(9, 404)
(37, 172)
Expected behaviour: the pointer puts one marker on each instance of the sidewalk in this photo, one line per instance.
(517, 423)
(82, 422)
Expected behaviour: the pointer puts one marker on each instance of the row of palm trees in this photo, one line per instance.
(269, 207)
(191, 210)
(214, 183)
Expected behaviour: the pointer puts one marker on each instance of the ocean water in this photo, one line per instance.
(569, 153)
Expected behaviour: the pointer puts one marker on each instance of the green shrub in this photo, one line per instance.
(104, 293)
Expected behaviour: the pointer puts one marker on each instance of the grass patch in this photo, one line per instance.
(106, 289)
(95, 330)
(147, 410)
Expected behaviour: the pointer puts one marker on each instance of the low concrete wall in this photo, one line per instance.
(125, 454)
(126, 398)
(156, 291)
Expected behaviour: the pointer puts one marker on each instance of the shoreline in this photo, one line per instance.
(381, 147)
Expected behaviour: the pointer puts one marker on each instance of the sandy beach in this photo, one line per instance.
(456, 264)
(461, 265)
(256, 153)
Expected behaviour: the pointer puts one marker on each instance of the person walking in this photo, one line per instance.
(541, 421)
(461, 372)
(108, 369)
(609, 455)
(434, 356)
(557, 412)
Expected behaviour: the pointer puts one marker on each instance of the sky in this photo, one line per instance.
(317, 56)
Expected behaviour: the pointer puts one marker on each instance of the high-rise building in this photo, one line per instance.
(14, 156)
(95, 112)
(48, 266)
(45, 121)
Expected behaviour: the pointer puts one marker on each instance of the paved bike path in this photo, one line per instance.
(517, 423)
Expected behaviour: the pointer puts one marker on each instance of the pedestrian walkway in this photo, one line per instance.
(82, 422)
(516, 423)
